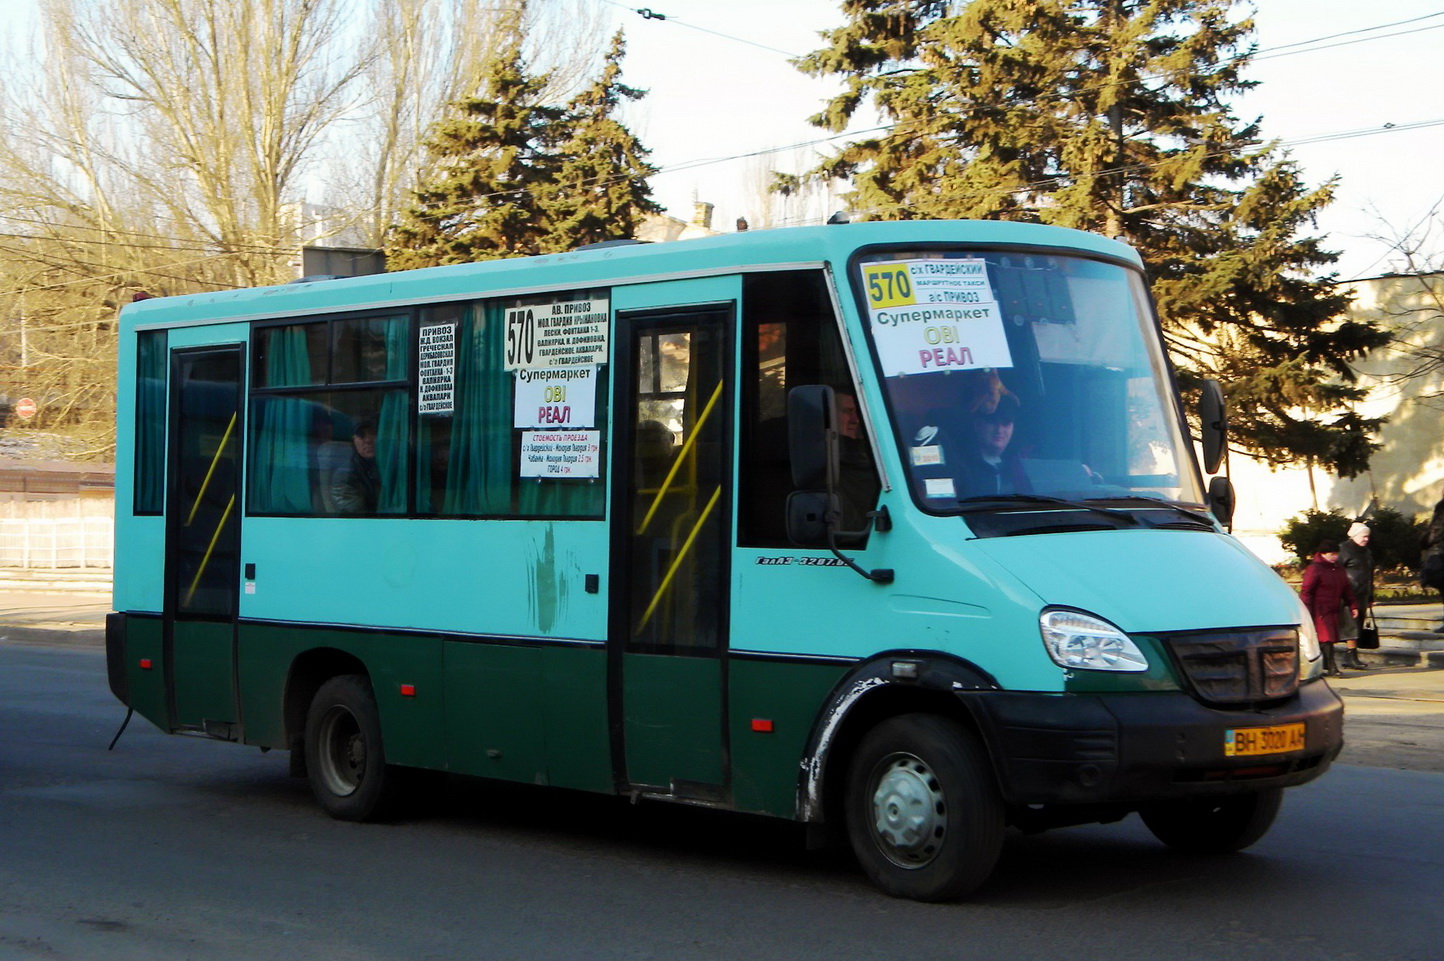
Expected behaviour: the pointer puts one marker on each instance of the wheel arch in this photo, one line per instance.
(870, 694)
(309, 670)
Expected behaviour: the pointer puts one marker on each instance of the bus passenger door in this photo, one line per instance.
(202, 527)
(670, 573)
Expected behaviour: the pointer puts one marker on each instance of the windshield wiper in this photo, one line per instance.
(1207, 520)
(1001, 503)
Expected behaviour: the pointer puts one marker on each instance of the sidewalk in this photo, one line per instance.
(58, 617)
(1407, 637)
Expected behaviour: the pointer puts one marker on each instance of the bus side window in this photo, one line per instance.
(789, 337)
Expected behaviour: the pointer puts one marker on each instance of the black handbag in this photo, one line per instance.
(1369, 633)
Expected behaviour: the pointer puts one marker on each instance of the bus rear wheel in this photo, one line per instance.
(923, 812)
(1213, 825)
(345, 759)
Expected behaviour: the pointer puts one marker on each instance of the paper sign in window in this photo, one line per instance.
(934, 315)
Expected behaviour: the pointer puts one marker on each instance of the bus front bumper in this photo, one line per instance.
(1136, 748)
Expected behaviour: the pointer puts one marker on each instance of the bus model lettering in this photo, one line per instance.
(954, 690)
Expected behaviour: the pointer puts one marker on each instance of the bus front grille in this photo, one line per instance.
(1238, 667)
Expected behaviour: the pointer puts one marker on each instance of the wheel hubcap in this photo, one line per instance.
(909, 811)
(343, 752)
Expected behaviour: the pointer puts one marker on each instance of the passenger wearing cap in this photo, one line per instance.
(988, 467)
(1357, 562)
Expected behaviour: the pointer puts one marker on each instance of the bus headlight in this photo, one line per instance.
(1311, 663)
(1083, 642)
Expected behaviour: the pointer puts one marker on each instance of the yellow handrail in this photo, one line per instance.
(220, 448)
(677, 561)
(225, 515)
(681, 456)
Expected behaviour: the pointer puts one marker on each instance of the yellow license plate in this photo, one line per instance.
(1249, 741)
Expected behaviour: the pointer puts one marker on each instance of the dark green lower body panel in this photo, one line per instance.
(530, 712)
(534, 713)
(672, 720)
(766, 764)
(143, 664)
(204, 668)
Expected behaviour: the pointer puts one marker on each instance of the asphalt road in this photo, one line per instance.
(171, 848)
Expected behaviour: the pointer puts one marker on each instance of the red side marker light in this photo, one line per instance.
(145, 663)
(762, 725)
(408, 690)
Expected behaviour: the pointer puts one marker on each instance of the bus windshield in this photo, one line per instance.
(1024, 377)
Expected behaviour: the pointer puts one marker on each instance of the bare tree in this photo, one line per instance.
(169, 146)
(426, 54)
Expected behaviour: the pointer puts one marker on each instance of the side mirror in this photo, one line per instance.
(807, 517)
(811, 415)
(1213, 423)
(1221, 500)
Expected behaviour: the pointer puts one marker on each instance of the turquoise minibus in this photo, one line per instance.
(893, 529)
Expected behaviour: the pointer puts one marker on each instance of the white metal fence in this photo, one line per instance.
(60, 538)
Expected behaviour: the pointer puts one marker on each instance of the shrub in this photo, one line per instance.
(1393, 538)
(1301, 534)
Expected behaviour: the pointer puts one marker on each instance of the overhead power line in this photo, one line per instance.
(647, 13)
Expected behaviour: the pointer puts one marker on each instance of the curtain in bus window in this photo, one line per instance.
(479, 475)
(150, 422)
(280, 477)
(391, 441)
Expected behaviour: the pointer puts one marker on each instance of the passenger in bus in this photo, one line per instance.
(858, 484)
(655, 444)
(987, 466)
(357, 486)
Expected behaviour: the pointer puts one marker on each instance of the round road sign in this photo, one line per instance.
(25, 408)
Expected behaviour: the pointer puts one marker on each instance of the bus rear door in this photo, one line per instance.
(203, 509)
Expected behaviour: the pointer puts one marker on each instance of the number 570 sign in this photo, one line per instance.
(566, 333)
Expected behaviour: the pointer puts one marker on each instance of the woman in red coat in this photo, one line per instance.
(1326, 590)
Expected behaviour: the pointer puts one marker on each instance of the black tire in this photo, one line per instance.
(1213, 825)
(345, 759)
(923, 811)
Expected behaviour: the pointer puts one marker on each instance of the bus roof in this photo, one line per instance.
(600, 266)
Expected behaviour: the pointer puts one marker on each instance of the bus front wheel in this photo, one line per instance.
(923, 812)
(345, 760)
(1213, 825)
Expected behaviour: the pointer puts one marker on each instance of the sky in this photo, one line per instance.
(1365, 106)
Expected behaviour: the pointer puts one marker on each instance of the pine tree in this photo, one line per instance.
(1113, 116)
(513, 176)
(488, 163)
(599, 191)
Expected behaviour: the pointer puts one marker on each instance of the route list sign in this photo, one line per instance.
(931, 315)
(436, 367)
(566, 333)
